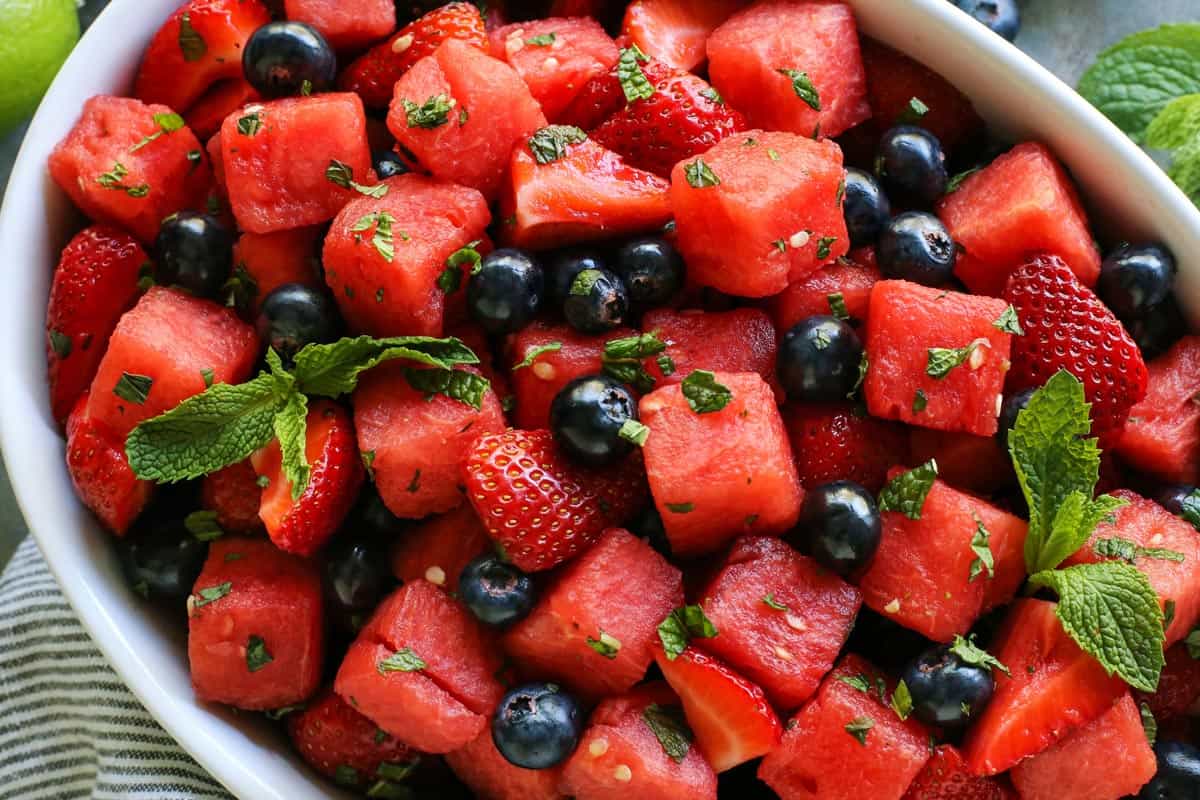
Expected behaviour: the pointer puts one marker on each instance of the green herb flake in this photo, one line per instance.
(970, 653)
(606, 645)
(257, 655)
(941, 360)
(433, 113)
(395, 771)
(534, 353)
(837, 305)
(681, 508)
(368, 462)
(980, 546)
(803, 86)
(920, 401)
(542, 40)
(584, 281)
(634, 432)
(211, 594)
(699, 175)
(383, 240)
(1129, 551)
(280, 713)
(624, 359)
(670, 728)
(551, 143)
(345, 775)
(859, 727)
(906, 492)
(859, 682)
(339, 173)
(704, 394)
(901, 702)
(770, 601)
(114, 179)
(403, 660)
(1149, 723)
(681, 626)
(634, 83)
(1190, 509)
(955, 183)
(60, 343)
(203, 526)
(713, 95)
(825, 246)
(863, 365)
(133, 388)
(1009, 323)
(250, 124)
(913, 112)
(191, 43)
(168, 122)
(306, 88)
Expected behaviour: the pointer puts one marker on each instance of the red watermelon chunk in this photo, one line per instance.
(255, 630)
(619, 589)
(1020, 205)
(973, 463)
(786, 652)
(720, 474)
(920, 576)
(346, 26)
(676, 31)
(819, 759)
(620, 755)
(1162, 436)
(1106, 759)
(274, 259)
(820, 40)
(742, 340)
(774, 217)
(906, 324)
(945, 777)
(851, 278)
(490, 776)
(414, 443)
(1178, 685)
(386, 279)
(174, 340)
(276, 159)
(109, 170)
(439, 548)
(840, 443)
(472, 142)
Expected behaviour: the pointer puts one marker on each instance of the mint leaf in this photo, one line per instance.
(699, 175)
(837, 305)
(1149, 723)
(167, 123)
(457, 384)
(956, 181)
(1191, 509)
(902, 702)
(1177, 125)
(1192, 642)
(858, 682)
(942, 360)
(703, 393)
(542, 39)
(634, 83)
(1009, 323)
(250, 124)
(291, 426)
(1185, 170)
(203, 526)
(584, 281)
(433, 113)
(913, 113)
(467, 254)
(191, 43)
(803, 86)
(670, 728)
(681, 508)
(970, 653)
(257, 655)
(774, 604)
(403, 660)
(681, 626)
(1112, 613)
(981, 547)
(920, 401)
(606, 645)
(341, 174)
(534, 353)
(1129, 551)
(133, 388)
(211, 594)
(331, 370)
(623, 360)
(634, 432)
(859, 727)
(907, 491)
(550, 143)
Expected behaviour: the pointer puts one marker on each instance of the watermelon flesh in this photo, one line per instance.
(438, 549)
(491, 777)
(742, 340)
(346, 27)
(810, 296)
(274, 259)
(945, 777)
(1162, 436)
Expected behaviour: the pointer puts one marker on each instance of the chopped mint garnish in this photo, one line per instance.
(1128, 551)
(634, 83)
(383, 239)
(606, 645)
(250, 124)
(704, 394)
(902, 702)
(203, 526)
(133, 388)
(341, 174)
(803, 86)
(859, 728)
(970, 653)
(60, 343)
(550, 143)
(681, 626)
(624, 359)
(670, 728)
(634, 432)
(534, 353)
(984, 560)
(913, 113)
(920, 401)
(825, 246)
(1191, 509)
(211, 594)
(1149, 723)
(942, 360)
(699, 175)
(584, 281)
(860, 682)
(907, 491)
(713, 95)
(257, 655)
(681, 508)
(542, 40)
(956, 181)
(1009, 323)
(113, 179)
(168, 122)
(771, 602)
(403, 660)
(837, 305)
(345, 775)
(191, 43)
(433, 113)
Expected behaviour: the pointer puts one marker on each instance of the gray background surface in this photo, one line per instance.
(1062, 34)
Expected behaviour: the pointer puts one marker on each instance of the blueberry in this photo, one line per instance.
(911, 165)
(195, 253)
(1012, 405)
(839, 526)
(506, 293)
(162, 560)
(565, 265)
(496, 592)
(287, 58)
(1172, 496)
(389, 164)
(373, 518)
(1002, 16)
(884, 641)
(648, 525)
(1158, 331)
(652, 270)
(946, 691)
(819, 360)
(295, 315)
(865, 207)
(537, 726)
(357, 575)
(916, 246)
(597, 302)
(587, 416)
(1135, 279)
(1178, 776)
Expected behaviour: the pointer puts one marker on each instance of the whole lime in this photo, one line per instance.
(35, 38)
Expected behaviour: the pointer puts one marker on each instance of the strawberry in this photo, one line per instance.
(373, 75)
(676, 31)
(303, 526)
(946, 777)
(101, 473)
(540, 507)
(341, 743)
(95, 283)
(1178, 687)
(602, 96)
(731, 717)
(685, 116)
(1067, 327)
(838, 443)
(210, 110)
(234, 494)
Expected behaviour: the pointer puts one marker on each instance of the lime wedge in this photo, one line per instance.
(35, 38)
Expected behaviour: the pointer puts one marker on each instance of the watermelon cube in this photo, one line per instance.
(908, 327)
(946, 777)
(414, 442)
(423, 670)
(723, 473)
(100, 472)
(764, 213)
(278, 159)
(973, 463)
(1178, 686)
(163, 352)
(837, 442)
(1162, 436)
(271, 260)
(816, 294)
(461, 112)
(255, 630)
(846, 744)
(813, 84)
(490, 776)
(1022, 204)
(620, 753)
(921, 574)
(742, 340)
(113, 170)
(383, 257)
(346, 27)
(1106, 759)
(620, 589)
(786, 652)
(439, 548)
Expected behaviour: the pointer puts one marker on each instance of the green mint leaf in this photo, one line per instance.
(1149, 723)
(1009, 323)
(956, 181)
(802, 85)
(670, 728)
(913, 113)
(550, 143)
(113, 180)
(191, 43)
(699, 175)
(634, 432)
(450, 281)
(1129, 551)
(345, 775)
(666, 364)
(211, 594)
(534, 353)
(414, 485)
(203, 526)
(681, 626)
(250, 124)
(339, 173)
(825, 246)
(634, 83)
(713, 95)
(433, 113)
(902, 702)
(240, 289)
(383, 239)
(457, 384)
(941, 360)
(280, 713)
(623, 359)
(920, 401)
(1185, 170)
(463, 256)
(703, 393)
(133, 388)
(772, 603)
(331, 370)
(837, 305)
(860, 682)
(403, 660)
(1168, 614)
(681, 508)
(291, 427)
(1191, 509)
(394, 771)
(257, 655)
(1177, 125)
(980, 546)
(606, 645)
(542, 40)
(60, 343)
(859, 727)
(1192, 642)
(907, 491)
(168, 122)
(584, 281)
(306, 88)
(970, 653)
(863, 365)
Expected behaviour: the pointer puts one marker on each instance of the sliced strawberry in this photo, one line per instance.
(946, 777)
(234, 494)
(336, 473)
(731, 717)
(374, 74)
(1178, 686)
(101, 473)
(96, 281)
(540, 507)
(675, 31)
(222, 99)
(1068, 327)
(839, 443)
(603, 96)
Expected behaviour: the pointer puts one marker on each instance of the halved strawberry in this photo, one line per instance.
(731, 717)
(838, 443)
(946, 777)
(233, 493)
(675, 31)
(374, 74)
(222, 99)
(336, 473)
(1178, 686)
(539, 506)
(603, 96)
(101, 473)
(96, 281)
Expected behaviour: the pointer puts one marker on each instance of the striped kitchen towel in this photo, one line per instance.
(69, 728)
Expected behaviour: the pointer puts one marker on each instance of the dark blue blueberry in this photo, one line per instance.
(373, 518)
(282, 59)
(537, 726)
(1013, 405)
(496, 592)
(865, 207)
(1171, 496)
(819, 360)
(1002, 16)
(161, 560)
(1160, 328)
(195, 253)
(357, 576)
(652, 270)
(597, 302)
(1178, 776)
(839, 526)
(648, 525)
(916, 246)
(1135, 279)
(389, 164)
(587, 416)
(295, 315)
(947, 692)
(505, 294)
(883, 641)
(564, 265)
(911, 165)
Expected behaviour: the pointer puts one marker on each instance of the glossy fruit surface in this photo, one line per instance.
(946, 691)
(912, 165)
(389, 164)
(356, 577)
(916, 247)
(496, 592)
(819, 360)
(651, 269)
(286, 58)
(1178, 775)
(588, 416)
(597, 302)
(866, 207)
(537, 725)
(1136, 278)
(295, 315)
(840, 526)
(507, 291)
(161, 561)
(195, 253)
(1002, 16)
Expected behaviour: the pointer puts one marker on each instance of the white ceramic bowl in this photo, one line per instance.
(1128, 195)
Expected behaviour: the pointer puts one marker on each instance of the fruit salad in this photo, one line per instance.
(660, 399)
